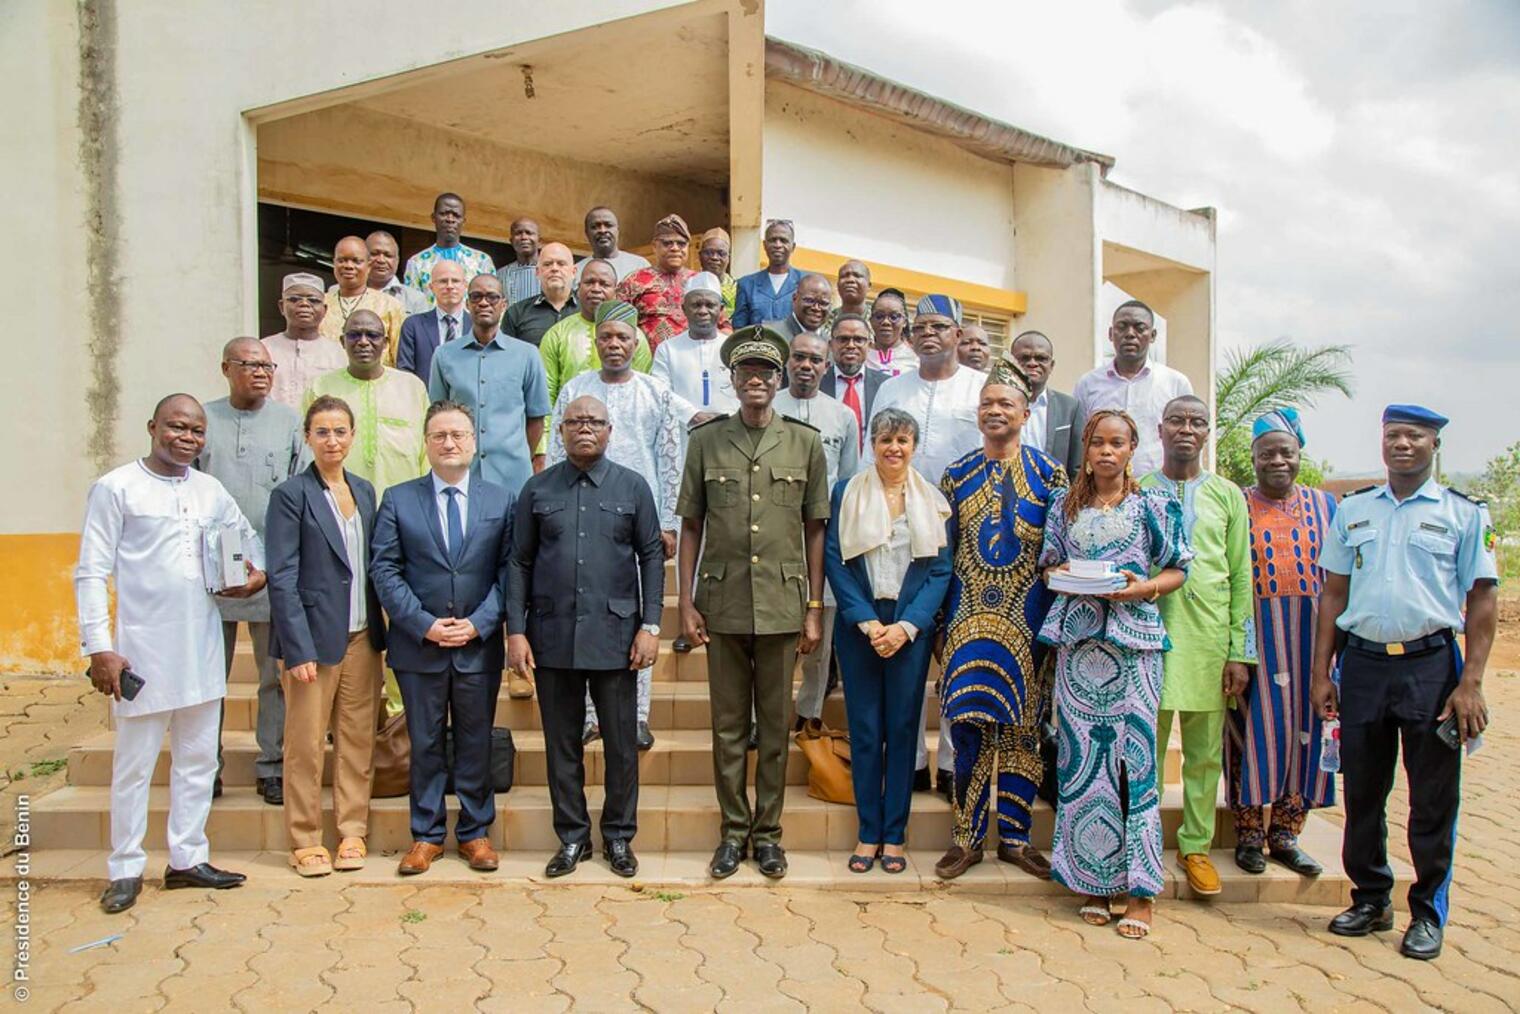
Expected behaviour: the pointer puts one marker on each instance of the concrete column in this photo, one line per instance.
(1059, 262)
(746, 132)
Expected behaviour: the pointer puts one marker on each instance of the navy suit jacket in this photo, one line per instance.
(420, 339)
(924, 586)
(419, 584)
(309, 579)
(757, 302)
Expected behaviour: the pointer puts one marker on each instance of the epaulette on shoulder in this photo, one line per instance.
(1364, 489)
(799, 422)
(1469, 497)
(709, 422)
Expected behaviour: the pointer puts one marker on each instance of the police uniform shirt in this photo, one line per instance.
(753, 489)
(1411, 563)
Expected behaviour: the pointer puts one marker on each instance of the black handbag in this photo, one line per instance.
(503, 759)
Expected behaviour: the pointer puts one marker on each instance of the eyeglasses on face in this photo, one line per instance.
(303, 300)
(253, 365)
(364, 335)
(444, 436)
(940, 328)
(582, 422)
(488, 298)
(851, 339)
(750, 372)
(816, 302)
(888, 316)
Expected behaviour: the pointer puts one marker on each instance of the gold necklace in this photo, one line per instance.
(1109, 505)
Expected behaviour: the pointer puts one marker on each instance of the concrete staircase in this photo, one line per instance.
(678, 815)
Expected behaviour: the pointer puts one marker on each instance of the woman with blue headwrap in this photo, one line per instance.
(1272, 742)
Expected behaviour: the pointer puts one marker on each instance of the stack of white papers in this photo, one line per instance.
(1087, 577)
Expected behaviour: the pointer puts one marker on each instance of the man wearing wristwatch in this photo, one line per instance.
(756, 489)
(585, 587)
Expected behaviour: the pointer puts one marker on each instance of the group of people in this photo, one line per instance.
(493, 484)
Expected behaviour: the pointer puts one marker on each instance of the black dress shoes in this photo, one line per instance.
(1361, 919)
(725, 861)
(1250, 858)
(944, 784)
(771, 858)
(1297, 860)
(204, 875)
(645, 737)
(567, 858)
(921, 782)
(620, 857)
(272, 789)
(120, 895)
(1422, 941)
(216, 788)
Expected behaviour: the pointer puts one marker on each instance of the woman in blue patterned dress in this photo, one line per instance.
(1272, 743)
(1108, 676)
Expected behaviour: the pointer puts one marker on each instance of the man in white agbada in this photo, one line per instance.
(942, 397)
(648, 423)
(150, 524)
(840, 433)
(689, 361)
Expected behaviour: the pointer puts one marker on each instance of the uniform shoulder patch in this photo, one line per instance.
(1469, 497)
(799, 422)
(708, 422)
(1364, 489)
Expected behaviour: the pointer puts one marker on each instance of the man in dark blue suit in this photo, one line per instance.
(423, 333)
(440, 553)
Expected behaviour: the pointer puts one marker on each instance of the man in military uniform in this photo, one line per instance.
(1402, 561)
(756, 488)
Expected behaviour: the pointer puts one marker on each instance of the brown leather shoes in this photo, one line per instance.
(1027, 858)
(479, 854)
(419, 859)
(957, 861)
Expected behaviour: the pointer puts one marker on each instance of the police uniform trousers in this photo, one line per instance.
(192, 768)
(562, 697)
(744, 672)
(1387, 702)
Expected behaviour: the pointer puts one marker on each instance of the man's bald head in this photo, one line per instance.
(556, 269)
(351, 265)
(171, 404)
(237, 348)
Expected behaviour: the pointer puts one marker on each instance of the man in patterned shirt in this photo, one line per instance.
(448, 223)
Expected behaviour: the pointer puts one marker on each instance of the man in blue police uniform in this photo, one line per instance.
(1402, 560)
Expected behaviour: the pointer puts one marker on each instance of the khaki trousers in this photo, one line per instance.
(344, 697)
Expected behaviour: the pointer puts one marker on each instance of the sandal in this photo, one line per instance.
(1132, 928)
(862, 864)
(351, 853)
(1095, 911)
(894, 864)
(311, 862)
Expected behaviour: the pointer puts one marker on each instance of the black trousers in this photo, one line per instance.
(1385, 702)
(562, 707)
(466, 703)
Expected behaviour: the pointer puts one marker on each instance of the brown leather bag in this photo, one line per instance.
(392, 757)
(828, 755)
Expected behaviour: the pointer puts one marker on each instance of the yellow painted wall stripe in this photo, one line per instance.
(884, 276)
(39, 633)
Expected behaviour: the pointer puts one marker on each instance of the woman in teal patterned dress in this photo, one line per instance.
(1108, 676)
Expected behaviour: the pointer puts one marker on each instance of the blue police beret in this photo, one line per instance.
(1416, 414)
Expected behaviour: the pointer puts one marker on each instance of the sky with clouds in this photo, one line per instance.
(1364, 156)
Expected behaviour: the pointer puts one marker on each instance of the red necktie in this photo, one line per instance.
(852, 400)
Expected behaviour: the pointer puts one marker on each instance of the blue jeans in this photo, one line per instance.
(883, 702)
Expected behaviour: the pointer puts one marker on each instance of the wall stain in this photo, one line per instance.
(98, 154)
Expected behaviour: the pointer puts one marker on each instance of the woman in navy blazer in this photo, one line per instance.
(329, 632)
(887, 556)
(757, 301)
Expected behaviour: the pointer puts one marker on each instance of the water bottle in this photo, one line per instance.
(1330, 746)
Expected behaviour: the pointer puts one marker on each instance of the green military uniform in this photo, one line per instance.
(753, 490)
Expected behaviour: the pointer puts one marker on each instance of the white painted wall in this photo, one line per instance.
(858, 185)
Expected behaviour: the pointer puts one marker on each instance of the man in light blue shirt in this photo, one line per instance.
(1409, 564)
(501, 380)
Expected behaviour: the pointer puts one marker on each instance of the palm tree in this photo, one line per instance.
(1273, 375)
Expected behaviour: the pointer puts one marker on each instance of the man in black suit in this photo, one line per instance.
(423, 333)
(585, 589)
(1053, 425)
(847, 377)
(439, 564)
(810, 308)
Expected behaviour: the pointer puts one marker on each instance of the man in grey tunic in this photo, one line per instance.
(253, 444)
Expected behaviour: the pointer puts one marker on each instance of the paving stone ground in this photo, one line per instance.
(414, 946)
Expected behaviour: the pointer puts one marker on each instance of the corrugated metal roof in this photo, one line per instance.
(856, 86)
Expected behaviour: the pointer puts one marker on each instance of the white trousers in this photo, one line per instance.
(944, 759)
(192, 751)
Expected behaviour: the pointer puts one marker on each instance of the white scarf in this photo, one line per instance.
(865, 520)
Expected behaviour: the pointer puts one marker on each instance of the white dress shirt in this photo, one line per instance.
(1033, 433)
(442, 500)
(148, 532)
(1142, 396)
(356, 550)
(945, 411)
(887, 565)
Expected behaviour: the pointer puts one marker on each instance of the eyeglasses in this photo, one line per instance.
(443, 436)
(888, 316)
(253, 365)
(585, 423)
(489, 298)
(851, 339)
(369, 336)
(303, 300)
(817, 303)
(750, 372)
(323, 432)
(940, 328)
